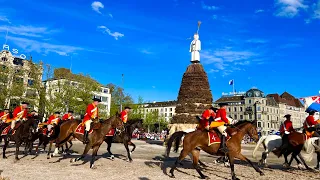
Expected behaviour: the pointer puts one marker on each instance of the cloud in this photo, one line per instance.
(145, 51)
(43, 47)
(316, 10)
(116, 35)
(290, 45)
(153, 87)
(214, 16)
(259, 11)
(28, 31)
(257, 41)
(96, 6)
(213, 70)
(289, 8)
(224, 60)
(206, 7)
(5, 19)
(110, 15)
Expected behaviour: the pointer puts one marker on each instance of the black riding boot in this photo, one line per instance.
(85, 137)
(10, 131)
(223, 144)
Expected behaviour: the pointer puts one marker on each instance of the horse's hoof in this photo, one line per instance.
(316, 168)
(285, 165)
(5, 157)
(227, 164)
(17, 159)
(72, 160)
(300, 166)
(130, 160)
(93, 167)
(112, 156)
(205, 177)
(215, 162)
(261, 174)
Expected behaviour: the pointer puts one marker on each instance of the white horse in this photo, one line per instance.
(272, 142)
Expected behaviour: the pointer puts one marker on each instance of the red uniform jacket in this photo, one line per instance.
(221, 116)
(286, 126)
(124, 116)
(310, 121)
(91, 113)
(53, 120)
(19, 113)
(67, 117)
(4, 116)
(205, 117)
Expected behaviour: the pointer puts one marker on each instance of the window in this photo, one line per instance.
(277, 118)
(262, 108)
(4, 59)
(229, 109)
(268, 125)
(18, 61)
(259, 124)
(249, 101)
(241, 109)
(235, 117)
(165, 109)
(259, 116)
(166, 114)
(250, 116)
(104, 90)
(235, 109)
(104, 99)
(170, 114)
(161, 110)
(258, 108)
(170, 109)
(268, 117)
(241, 117)
(262, 101)
(30, 82)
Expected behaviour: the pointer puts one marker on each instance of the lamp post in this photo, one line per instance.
(121, 94)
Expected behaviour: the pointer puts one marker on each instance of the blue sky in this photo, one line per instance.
(273, 45)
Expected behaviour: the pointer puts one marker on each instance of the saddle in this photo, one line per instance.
(96, 126)
(18, 124)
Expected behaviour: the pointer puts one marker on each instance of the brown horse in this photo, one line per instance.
(200, 139)
(68, 129)
(23, 134)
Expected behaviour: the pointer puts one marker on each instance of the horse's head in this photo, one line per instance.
(250, 128)
(136, 123)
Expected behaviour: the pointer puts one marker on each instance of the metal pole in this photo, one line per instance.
(121, 95)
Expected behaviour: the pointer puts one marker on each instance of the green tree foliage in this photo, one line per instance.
(117, 94)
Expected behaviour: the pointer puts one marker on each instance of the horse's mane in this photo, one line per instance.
(135, 120)
(242, 122)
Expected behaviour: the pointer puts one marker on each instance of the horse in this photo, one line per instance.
(270, 144)
(199, 139)
(23, 134)
(96, 138)
(125, 137)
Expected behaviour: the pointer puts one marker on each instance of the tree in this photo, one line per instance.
(116, 94)
(137, 110)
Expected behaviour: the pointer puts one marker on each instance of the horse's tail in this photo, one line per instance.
(261, 140)
(177, 136)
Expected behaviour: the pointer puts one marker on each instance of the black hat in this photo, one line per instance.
(25, 103)
(57, 112)
(70, 111)
(96, 99)
(287, 115)
(6, 109)
(223, 104)
(213, 109)
(312, 112)
(33, 111)
(127, 107)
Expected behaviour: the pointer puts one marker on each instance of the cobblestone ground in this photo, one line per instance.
(148, 163)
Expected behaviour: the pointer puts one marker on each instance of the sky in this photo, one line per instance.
(272, 44)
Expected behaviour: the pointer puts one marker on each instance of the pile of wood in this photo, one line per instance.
(194, 95)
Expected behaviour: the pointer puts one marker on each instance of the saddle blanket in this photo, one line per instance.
(111, 132)
(6, 130)
(214, 138)
(80, 129)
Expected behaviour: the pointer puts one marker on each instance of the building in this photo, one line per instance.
(18, 80)
(165, 109)
(52, 86)
(268, 110)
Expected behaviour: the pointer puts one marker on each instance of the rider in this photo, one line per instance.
(92, 112)
(4, 115)
(53, 121)
(309, 125)
(285, 129)
(124, 114)
(207, 117)
(68, 116)
(19, 113)
(221, 116)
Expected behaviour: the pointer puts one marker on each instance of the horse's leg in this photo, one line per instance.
(109, 143)
(231, 160)
(86, 149)
(94, 154)
(195, 154)
(201, 163)
(128, 150)
(70, 142)
(6, 143)
(318, 161)
(303, 161)
(17, 150)
(183, 154)
(49, 155)
(132, 144)
(242, 157)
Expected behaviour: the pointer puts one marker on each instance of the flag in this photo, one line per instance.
(311, 103)
(231, 82)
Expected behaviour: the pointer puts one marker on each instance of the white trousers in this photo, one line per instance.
(49, 127)
(13, 123)
(88, 124)
(222, 130)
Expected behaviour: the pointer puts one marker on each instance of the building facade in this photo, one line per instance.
(166, 109)
(52, 86)
(269, 110)
(18, 79)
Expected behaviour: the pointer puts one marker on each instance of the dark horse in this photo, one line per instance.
(23, 134)
(68, 129)
(200, 139)
(2, 127)
(125, 137)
